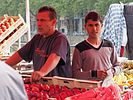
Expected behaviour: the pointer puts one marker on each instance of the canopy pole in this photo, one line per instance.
(28, 18)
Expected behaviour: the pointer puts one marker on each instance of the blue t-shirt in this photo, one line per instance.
(39, 49)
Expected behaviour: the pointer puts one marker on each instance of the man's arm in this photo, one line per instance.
(50, 64)
(14, 59)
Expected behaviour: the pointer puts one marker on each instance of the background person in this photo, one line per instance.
(49, 49)
(94, 56)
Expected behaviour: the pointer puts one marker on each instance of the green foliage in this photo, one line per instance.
(35, 5)
(65, 8)
(12, 7)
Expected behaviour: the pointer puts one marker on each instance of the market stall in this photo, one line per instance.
(60, 88)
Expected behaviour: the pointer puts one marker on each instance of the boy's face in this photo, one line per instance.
(93, 28)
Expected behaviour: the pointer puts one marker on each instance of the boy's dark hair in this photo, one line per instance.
(51, 10)
(93, 16)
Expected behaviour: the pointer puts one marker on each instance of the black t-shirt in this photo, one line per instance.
(39, 49)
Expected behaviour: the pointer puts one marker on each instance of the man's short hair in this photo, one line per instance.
(93, 15)
(51, 10)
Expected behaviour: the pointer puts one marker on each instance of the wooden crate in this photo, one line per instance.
(13, 33)
(47, 80)
(88, 84)
(70, 82)
(44, 80)
(62, 81)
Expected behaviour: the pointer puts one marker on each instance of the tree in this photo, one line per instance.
(103, 5)
(65, 8)
(12, 7)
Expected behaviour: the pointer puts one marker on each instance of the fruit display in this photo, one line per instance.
(101, 93)
(60, 88)
(45, 91)
(127, 96)
(40, 91)
(128, 64)
(121, 79)
(56, 88)
(11, 29)
(124, 79)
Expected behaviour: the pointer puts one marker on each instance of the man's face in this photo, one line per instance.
(93, 28)
(45, 25)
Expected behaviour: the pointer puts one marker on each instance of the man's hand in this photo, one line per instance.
(101, 74)
(36, 76)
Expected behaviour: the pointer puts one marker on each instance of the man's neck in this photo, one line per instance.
(50, 33)
(94, 41)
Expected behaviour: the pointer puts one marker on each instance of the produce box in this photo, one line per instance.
(57, 88)
(11, 29)
(47, 80)
(88, 84)
(44, 80)
(62, 81)
(127, 64)
(69, 82)
(76, 83)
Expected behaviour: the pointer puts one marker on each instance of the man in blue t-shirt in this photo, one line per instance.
(49, 49)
